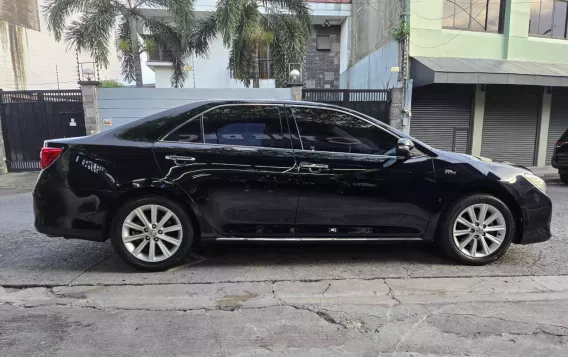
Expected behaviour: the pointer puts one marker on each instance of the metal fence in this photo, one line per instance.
(373, 102)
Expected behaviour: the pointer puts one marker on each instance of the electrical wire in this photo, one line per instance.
(453, 38)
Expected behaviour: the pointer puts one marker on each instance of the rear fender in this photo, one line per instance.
(144, 187)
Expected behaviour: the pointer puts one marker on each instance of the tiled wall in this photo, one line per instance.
(321, 68)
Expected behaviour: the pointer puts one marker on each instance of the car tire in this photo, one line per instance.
(482, 243)
(167, 239)
(564, 177)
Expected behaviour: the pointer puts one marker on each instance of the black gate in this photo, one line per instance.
(373, 102)
(30, 117)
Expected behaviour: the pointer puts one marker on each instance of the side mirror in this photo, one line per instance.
(404, 146)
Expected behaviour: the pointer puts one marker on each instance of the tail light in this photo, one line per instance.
(48, 156)
(561, 142)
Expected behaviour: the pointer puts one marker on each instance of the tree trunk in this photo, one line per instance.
(135, 51)
(255, 69)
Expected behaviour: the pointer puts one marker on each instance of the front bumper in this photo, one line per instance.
(536, 210)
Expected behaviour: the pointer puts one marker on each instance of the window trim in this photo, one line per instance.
(426, 152)
(537, 35)
(500, 27)
(200, 115)
(344, 112)
(323, 49)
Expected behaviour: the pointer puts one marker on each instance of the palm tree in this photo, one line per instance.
(88, 25)
(247, 25)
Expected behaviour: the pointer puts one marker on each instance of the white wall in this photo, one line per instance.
(210, 72)
(123, 105)
(28, 58)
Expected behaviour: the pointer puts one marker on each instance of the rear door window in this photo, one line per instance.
(247, 125)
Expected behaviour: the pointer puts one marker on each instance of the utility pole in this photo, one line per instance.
(404, 64)
(57, 76)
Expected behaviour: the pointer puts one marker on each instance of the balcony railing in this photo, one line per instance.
(159, 54)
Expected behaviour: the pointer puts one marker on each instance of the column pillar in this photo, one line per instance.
(542, 139)
(90, 106)
(296, 92)
(396, 112)
(477, 125)
(3, 166)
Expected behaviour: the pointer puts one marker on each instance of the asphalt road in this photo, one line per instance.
(28, 258)
(75, 298)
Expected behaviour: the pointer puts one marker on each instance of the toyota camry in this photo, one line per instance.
(279, 171)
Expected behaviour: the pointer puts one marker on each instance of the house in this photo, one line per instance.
(326, 55)
(487, 77)
(31, 58)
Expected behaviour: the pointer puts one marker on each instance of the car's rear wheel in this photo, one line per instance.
(476, 229)
(152, 233)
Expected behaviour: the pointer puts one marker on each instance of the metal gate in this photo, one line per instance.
(558, 120)
(373, 102)
(510, 123)
(30, 117)
(441, 116)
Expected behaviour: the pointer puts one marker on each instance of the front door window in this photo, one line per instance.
(334, 131)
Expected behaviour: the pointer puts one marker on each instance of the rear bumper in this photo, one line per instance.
(70, 213)
(536, 210)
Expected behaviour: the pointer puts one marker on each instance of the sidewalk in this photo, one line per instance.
(19, 179)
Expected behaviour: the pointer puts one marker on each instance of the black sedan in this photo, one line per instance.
(279, 171)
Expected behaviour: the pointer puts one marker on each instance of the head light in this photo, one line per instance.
(536, 181)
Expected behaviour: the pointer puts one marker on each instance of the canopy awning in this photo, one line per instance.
(428, 70)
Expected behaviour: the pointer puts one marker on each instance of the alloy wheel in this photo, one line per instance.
(479, 230)
(152, 233)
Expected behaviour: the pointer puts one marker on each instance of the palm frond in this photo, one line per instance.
(182, 12)
(203, 34)
(57, 11)
(298, 8)
(291, 39)
(228, 14)
(92, 31)
(125, 54)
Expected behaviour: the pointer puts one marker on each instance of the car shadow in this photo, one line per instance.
(322, 253)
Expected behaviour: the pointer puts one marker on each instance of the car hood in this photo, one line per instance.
(478, 159)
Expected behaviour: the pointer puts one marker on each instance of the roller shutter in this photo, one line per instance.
(441, 116)
(510, 123)
(558, 120)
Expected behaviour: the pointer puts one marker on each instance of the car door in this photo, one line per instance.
(352, 184)
(236, 162)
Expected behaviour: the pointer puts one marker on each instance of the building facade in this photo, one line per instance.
(488, 78)
(323, 62)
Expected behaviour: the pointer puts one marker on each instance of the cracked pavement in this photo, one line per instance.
(73, 298)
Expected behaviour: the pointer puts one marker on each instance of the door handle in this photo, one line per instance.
(313, 167)
(179, 158)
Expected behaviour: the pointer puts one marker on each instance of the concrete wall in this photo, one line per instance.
(321, 68)
(345, 45)
(428, 38)
(123, 105)
(28, 57)
(374, 70)
(370, 24)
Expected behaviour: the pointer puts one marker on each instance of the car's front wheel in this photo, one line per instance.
(152, 233)
(476, 229)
